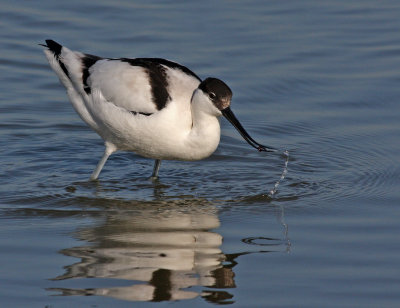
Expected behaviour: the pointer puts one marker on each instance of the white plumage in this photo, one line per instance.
(154, 107)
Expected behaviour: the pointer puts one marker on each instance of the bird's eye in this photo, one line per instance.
(212, 95)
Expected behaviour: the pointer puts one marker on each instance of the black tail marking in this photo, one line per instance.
(56, 49)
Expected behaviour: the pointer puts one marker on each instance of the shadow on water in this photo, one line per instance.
(163, 250)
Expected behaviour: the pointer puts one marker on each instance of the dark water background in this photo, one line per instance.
(318, 78)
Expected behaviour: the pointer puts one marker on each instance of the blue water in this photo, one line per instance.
(320, 79)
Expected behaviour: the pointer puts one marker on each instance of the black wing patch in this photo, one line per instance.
(87, 62)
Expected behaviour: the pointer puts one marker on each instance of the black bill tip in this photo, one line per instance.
(229, 115)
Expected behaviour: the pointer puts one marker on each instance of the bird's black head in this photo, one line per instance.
(220, 95)
(217, 91)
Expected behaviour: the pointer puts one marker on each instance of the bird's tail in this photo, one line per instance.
(54, 50)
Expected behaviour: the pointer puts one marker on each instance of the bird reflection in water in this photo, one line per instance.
(164, 249)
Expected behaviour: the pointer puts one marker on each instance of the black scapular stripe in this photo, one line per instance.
(157, 78)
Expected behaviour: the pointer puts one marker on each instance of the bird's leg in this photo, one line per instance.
(110, 148)
(157, 165)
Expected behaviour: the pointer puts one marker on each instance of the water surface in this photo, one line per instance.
(318, 79)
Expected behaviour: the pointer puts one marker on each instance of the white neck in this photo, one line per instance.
(205, 133)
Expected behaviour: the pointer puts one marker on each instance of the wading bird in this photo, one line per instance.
(154, 107)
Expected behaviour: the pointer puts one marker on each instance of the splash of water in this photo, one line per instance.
(284, 172)
(285, 227)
